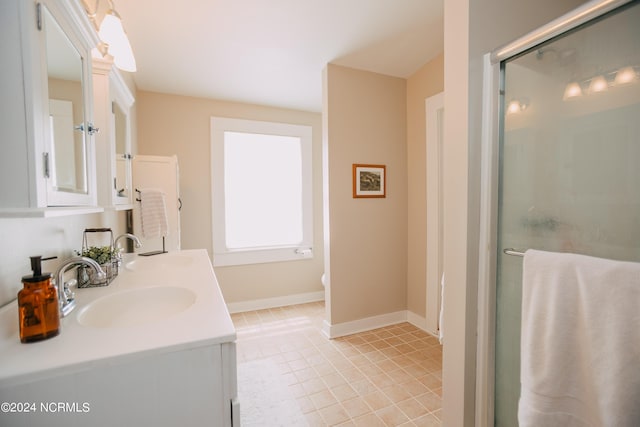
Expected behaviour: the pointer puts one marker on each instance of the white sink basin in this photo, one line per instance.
(161, 261)
(136, 307)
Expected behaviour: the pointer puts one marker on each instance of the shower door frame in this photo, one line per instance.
(492, 117)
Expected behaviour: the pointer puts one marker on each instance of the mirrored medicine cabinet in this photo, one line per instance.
(47, 131)
(112, 105)
(66, 167)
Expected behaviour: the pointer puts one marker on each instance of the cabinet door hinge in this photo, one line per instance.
(45, 165)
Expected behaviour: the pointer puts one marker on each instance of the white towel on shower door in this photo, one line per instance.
(580, 343)
(153, 213)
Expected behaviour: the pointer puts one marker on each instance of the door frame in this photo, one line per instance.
(435, 219)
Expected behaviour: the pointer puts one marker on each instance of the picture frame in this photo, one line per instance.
(369, 181)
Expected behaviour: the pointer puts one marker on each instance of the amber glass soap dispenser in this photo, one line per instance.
(38, 305)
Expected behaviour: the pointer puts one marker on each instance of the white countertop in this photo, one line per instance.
(79, 347)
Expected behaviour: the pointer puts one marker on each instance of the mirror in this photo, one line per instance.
(123, 159)
(68, 151)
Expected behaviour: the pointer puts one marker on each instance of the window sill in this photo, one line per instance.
(262, 256)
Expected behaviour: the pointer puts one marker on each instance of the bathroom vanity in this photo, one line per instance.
(155, 347)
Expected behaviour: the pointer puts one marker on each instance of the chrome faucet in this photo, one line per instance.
(136, 242)
(66, 298)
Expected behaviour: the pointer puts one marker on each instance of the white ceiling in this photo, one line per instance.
(272, 52)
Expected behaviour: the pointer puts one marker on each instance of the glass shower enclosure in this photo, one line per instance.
(569, 165)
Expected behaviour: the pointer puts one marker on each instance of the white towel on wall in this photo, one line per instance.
(580, 343)
(153, 213)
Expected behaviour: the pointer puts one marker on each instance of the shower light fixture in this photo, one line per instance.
(513, 107)
(517, 106)
(598, 84)
(602, 82)
(625, 75)
(572, 90)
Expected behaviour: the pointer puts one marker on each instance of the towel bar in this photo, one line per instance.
(513, 252)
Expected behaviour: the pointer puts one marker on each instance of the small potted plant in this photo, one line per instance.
(106, 256)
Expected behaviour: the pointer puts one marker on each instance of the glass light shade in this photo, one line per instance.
(123, 55)
(112, 33)
(598, 84)
(626, 75)
(111, 28)
(572, 90)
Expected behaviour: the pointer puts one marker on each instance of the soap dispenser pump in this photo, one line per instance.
(38, 307)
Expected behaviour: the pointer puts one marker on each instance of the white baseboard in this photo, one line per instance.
(417, 320)
(340, 329)
(374, 322)
(262, 304)
(420, 322)
(362, 325)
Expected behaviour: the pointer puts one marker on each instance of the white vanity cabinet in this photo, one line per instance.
(194, 387)
(48, 159)
(112, 104)
(157, 347)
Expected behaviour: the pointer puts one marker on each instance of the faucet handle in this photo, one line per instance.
(69, 295)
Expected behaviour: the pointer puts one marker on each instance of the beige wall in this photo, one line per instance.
(365, 122)
(458, 359)
(471, 30)
(168, 125)
(426, 82)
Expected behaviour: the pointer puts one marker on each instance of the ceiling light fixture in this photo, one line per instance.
(112, 33)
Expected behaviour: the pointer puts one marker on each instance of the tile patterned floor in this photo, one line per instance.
(290, 374)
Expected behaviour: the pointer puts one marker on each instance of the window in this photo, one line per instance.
(261, 183)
